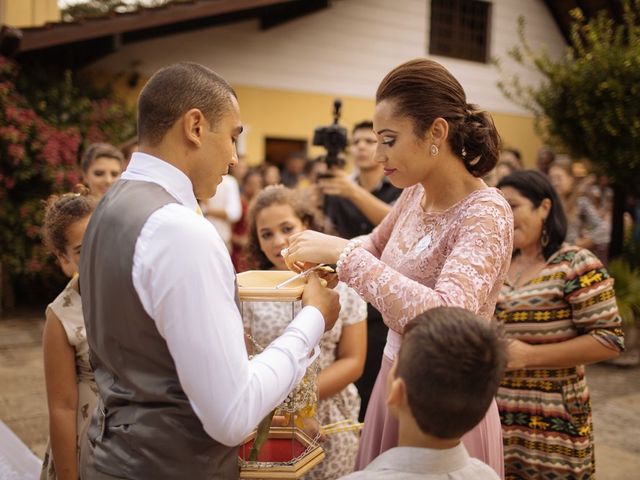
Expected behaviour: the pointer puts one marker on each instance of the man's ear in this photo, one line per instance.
(193, 125)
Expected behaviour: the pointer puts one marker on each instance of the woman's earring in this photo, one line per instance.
(434, 149)
(544, 237)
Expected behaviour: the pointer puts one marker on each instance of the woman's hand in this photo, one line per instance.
(310, 248)
(581, 350)
(518, 355)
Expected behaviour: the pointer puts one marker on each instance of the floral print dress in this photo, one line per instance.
(68, 308)
(266, 321)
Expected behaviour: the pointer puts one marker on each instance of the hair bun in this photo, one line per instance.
(476, 141)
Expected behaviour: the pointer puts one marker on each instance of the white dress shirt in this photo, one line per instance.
(183, 275)
(227, 198)
(412, 463)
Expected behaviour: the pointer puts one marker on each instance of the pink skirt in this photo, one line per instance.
(380, 431)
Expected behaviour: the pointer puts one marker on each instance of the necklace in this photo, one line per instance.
(537, 262)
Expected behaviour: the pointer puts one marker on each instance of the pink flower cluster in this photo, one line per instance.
(40, 157)
(59, 147)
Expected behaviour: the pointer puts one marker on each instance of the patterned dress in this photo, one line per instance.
(416, 260)
(68, 308)
(546, 413)
(267, 320)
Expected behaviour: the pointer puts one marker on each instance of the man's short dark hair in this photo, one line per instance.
(364, 125)
(451, 361)
(174, 90)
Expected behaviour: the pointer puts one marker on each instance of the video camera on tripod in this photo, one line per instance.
(333, 138)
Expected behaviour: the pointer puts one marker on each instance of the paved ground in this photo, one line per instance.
(615, 395)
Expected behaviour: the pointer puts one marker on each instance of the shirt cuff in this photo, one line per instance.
(310, 323)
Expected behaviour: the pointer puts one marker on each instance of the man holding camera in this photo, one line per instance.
(355, 205)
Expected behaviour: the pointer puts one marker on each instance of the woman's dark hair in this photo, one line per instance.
(536, 187)
(277, 195)
(60, 212)
(251, 172)
(424, 90)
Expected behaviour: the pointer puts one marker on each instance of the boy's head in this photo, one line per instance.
(447, 371)
(363, 146)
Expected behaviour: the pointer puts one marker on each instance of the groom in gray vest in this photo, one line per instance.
(178, 393)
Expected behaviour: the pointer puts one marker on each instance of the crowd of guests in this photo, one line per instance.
(586, 198)
(466, 315)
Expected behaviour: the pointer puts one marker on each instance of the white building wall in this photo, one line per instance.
(343, 50)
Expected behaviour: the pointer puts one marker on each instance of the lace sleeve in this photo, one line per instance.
(375, 242)
(352, 308)
(589, 291)
(476, 262)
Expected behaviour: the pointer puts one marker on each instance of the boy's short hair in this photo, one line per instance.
(363, 125)
(451, 361)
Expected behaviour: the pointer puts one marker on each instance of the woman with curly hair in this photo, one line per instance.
(275, 214)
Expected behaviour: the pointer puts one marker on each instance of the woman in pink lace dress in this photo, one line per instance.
(447, 241)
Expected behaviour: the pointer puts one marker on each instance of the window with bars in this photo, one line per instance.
(460, 29)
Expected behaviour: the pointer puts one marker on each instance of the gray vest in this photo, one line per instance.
(144, 427)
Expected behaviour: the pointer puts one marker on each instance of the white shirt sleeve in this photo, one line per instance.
(185, 280)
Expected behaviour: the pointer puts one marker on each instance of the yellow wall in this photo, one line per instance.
(517, 131)
(294, 115)
(28, 13)
(285, 114)
(275, 113)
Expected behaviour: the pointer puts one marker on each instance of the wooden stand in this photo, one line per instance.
(288, 453)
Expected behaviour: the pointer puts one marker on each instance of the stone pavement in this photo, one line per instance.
(615, 395)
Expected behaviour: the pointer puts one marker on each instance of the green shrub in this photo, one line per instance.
(627, 286)
(588, 100)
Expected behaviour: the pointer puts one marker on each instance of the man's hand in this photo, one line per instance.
(324, 299)
(340, 184)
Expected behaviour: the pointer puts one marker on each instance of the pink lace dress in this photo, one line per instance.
(414, 261)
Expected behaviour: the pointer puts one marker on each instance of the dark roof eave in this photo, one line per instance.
(69, 32)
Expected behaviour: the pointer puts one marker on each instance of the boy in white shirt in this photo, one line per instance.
(441, 385)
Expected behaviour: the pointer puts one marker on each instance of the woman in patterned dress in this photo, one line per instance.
(447, 240)
(71, 391)
(276, 213)
(558, 306)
